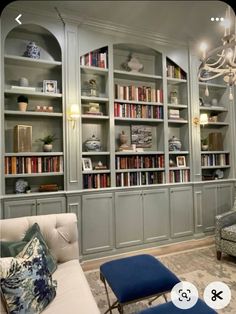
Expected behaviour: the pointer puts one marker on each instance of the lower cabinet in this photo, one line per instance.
(141, 217)
(216, 199)
(156, 218)
(30, 207)
(97, 223)
(129, 218)
(181, 208)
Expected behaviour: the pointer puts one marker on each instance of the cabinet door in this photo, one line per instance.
(129, 218)
(181, 206)
(97, 220)
(156, 215)
(209, 205)
(19, 208)
(55, 205)
(224, 197)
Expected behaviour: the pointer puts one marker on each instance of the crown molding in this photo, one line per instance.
(98, 25)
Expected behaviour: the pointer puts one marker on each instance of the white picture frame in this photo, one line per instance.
(180, 161)
(87, 164)
(49, 86)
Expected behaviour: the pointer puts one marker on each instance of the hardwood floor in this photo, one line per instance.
(156, 251)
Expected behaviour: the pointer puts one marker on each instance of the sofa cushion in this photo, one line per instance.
(60, 232)
(73, 292)
(12, 248)
(26, 282)
(229, 233)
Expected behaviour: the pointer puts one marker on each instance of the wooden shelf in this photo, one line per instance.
(140, 170)
(117, 119)
(140, 153)
(95, 153)
(173, 80)
(30, 62)
(136, 75)
(32, 113)
(137, 102)
(41, 174)
(32, 93)
(92, 69)
(42, 154)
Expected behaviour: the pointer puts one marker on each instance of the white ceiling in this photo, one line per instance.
(181, 20)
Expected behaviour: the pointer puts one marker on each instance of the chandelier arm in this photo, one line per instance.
(209, 78)
(214, 65)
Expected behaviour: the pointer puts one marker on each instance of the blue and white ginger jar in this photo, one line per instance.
(32, 51)
(93, 144)
(174, 144)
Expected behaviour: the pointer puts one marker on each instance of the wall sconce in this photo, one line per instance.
(203, 118)
(74, 114)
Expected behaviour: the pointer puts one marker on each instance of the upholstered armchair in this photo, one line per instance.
(226, 233)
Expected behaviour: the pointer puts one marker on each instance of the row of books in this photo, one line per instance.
(139, 178)
(215, 159)
(179, 176)
(137, 162)
(33, 164)
(138, 111)
(96, 58)
(96, 181)
(175, 71)
(138, 93)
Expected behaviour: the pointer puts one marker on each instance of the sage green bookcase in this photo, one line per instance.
(137, 104)
(34, 166)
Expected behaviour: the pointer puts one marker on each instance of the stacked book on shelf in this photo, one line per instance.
(139, 178)
(138, 162)
(179, 176)
(97, 58)
(174, 114)
(33, 164)
(138, 93)
(174, 71)
(123, 110)
(96, 181)
(215, 159)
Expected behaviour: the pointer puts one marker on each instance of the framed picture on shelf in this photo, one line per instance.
(180, 161)
(141, 136)
(49, 86)
(87, 164)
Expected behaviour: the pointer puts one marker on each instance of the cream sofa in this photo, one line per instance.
(61, 235)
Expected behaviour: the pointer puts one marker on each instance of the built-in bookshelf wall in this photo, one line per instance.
(137, 114)
(214, 107)
(31, 76)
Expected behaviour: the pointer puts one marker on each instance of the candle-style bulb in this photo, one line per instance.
(206, 91)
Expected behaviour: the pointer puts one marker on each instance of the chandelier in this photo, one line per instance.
(220, 61)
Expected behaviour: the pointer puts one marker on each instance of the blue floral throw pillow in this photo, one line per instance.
(26, 283)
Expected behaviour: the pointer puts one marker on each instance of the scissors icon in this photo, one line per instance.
(216, 295)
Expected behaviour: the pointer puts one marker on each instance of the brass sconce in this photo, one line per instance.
(202, 120)
(74, 114)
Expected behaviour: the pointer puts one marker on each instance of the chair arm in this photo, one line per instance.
(223, 220)
(226, 219)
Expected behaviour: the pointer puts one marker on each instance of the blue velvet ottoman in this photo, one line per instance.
(135, 278)
(169, 308)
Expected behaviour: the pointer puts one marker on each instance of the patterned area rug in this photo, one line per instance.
(198, 266)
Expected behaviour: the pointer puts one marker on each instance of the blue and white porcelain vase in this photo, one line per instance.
(32, 51)
(174, 144)
(93, 144)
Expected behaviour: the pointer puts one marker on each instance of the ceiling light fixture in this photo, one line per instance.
(221, 61)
